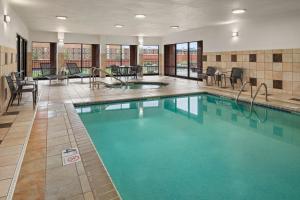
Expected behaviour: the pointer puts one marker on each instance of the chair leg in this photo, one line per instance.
(19, 98)
(9, 102)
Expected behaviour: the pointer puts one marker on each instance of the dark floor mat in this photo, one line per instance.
(5, 125)
(11, 113)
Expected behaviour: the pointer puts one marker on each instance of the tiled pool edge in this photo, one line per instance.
(259, 102)
(100, 182)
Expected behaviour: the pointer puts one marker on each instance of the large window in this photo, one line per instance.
(117, 55)
(151, 59)
(182, 59)
(81, 54)
(40, 54)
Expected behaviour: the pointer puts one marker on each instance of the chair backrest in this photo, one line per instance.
(236, 73)
(139, 69)
(134, 69)
(73, 68)
(114, 69)
(47, 70)
(10, 84)
(211, 71)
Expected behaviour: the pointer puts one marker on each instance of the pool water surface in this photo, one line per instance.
(197, 147)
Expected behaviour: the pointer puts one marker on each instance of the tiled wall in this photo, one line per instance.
(7, 65)
(278, 68)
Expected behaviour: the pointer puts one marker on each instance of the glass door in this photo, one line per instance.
(182, 60)
(193, 61)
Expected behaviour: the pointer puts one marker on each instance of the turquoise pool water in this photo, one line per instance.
(200, 147)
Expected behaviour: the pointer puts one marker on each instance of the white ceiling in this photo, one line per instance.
(100, 16)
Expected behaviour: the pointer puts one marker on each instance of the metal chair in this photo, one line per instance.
(210, 72)
(235, 75)
(17, 92)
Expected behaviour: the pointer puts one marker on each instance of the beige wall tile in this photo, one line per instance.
(260, 74)
(269, 75)
(260, 66)
(287, 57)
(287, 76)
(260, 57)
(277, 75)
(268, 57)
(287, 85)
(277, 67)
(296, 50)
(296, 76)
(296, 67)
(296, 88)
(268, 66)
(296, 58)
(287, 67)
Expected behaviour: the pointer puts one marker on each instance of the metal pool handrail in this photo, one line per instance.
(266, 88)
(242, 88)
(94, 69)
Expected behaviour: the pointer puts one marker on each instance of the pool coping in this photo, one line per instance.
(242, 99)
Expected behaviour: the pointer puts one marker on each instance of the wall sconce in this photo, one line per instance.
(235, 34)
(7, 19)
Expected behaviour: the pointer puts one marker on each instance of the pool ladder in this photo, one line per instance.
(251, 91)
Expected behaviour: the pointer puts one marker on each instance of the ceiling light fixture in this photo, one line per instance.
(174, 27)
(61, 17)
(7, 19)
(235, 34)
(119, 26)
(140, 16)
(238, 11)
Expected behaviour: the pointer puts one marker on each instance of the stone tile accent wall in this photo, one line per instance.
(274, 67)
(8, 64)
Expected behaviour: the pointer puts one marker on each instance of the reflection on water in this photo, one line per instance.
(273, 123)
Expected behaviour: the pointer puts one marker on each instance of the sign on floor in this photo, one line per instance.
(70, 155)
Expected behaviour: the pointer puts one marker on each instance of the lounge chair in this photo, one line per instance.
(49, 73)
(235, 75)
(210, 72)
(74, 70)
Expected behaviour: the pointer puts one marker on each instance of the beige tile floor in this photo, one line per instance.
(30, 154)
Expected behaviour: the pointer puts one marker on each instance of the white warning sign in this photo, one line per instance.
(70, 155)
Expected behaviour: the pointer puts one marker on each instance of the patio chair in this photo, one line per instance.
(115, 70)
(133, 71)
(74, 70)
(210, 72)
(49, 72)
(17, 92)
(235, 75)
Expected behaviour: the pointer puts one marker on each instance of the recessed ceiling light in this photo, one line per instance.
(174, 27)
(235, 34)
(140, 16)
(238, 11)
(7, 19)
(61, 17)
(119, 26)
